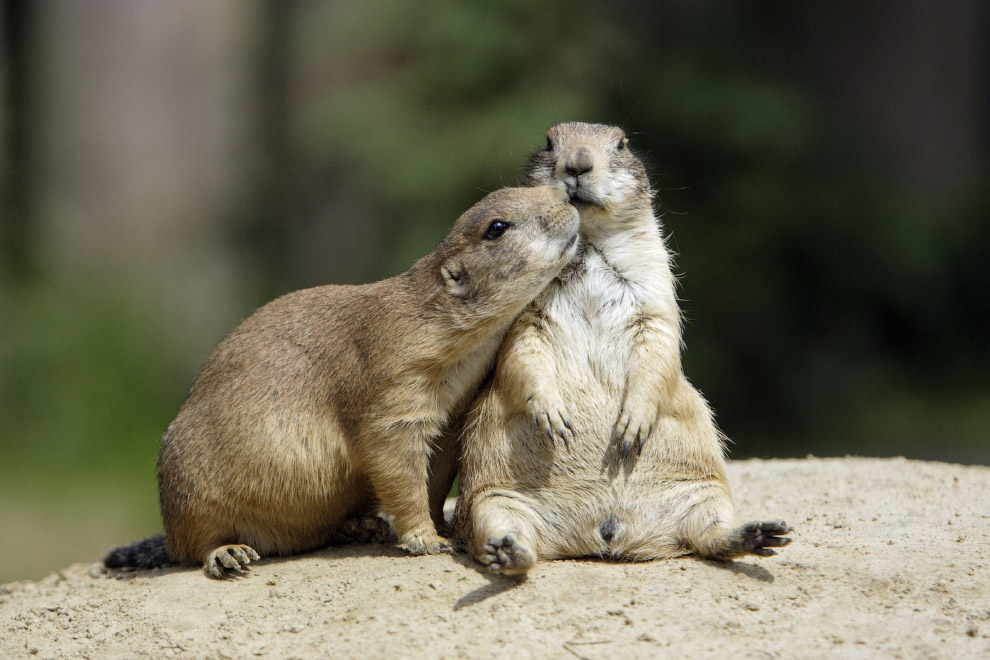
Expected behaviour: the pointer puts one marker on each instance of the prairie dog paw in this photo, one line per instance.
(227, 558)
(425, 543)
(367, 529)
(759, 537)
(635, 424)
(550, 417)
(506, 555)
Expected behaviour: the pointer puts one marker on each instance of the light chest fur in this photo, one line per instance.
(594, 307)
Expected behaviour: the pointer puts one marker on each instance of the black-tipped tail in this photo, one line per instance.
(149, 553)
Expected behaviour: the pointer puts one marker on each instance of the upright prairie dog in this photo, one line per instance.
(637, 468)
(331, 401)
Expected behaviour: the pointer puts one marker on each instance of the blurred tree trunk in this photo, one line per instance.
(323, 226)
(15, 25)
(146, 151)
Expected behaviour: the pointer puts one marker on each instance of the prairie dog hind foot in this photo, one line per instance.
(753, 538)
(229, 559)
(759, 537)
(506, 555)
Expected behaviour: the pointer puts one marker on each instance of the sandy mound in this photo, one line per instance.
(890, 559)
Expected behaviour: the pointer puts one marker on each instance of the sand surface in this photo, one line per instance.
(890, 560)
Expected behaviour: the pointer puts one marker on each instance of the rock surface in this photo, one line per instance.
(890, 559)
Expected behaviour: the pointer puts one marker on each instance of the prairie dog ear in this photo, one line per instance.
(454, 277)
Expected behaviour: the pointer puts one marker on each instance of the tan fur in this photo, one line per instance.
(330, 401)
(589, 377)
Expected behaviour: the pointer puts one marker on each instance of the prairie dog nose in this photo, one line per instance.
(579, 161)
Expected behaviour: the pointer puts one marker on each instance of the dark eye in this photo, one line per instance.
(622, 143)
(496, 229)
(549, 144)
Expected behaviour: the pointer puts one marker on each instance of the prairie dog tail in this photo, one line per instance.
(149, 553)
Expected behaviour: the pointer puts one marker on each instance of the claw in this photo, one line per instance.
(229, 559)
(562, 432)
(620, 434)
(570, 427)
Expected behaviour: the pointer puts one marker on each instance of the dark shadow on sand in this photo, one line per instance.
(497, 584)
(742, 568)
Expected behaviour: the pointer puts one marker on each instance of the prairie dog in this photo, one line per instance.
(331, 401)
(589, 441)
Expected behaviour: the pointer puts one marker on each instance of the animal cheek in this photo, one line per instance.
(540, 177)
(540, 173)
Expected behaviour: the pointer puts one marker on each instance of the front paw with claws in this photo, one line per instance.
(425, 543)
(632, 430)
(549, 416)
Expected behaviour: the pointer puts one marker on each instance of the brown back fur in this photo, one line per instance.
(330, 400)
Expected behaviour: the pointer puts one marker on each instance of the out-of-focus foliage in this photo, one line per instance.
(426, 105)
(90, 380)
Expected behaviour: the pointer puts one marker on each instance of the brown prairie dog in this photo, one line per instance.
(589, 441)
(331, 401)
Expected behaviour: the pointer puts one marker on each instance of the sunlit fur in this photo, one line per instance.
(328, 397)
(598, 351)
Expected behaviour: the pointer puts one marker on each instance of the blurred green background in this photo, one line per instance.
(166, 167)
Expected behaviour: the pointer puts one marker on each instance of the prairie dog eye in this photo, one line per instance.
(623, 143)
(496, 228)
(549, 144)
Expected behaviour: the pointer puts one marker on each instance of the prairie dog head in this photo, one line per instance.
(593, 163)
(507, 248)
